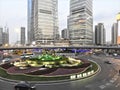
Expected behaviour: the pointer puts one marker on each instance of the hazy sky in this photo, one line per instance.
(13, 13)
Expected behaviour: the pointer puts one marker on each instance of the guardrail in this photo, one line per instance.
(56, 47)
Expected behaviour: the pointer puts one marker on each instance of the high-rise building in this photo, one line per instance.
(118, 23)
(23, 36)
(114, 34)
(30, 22)
(100, 34)
(1, 36)
(118, 20)
(80, 22)
(43, 20)
(64, 34)
(6, 36)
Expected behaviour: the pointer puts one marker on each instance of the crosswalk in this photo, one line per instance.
(110, 82)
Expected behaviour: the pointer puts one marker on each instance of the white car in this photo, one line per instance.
(115, 54)
(6, 60)
(27, 55)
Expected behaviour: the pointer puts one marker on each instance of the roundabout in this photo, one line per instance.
(106, 79)
(48, 67)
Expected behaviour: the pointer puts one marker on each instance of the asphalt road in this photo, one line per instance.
(107, 79)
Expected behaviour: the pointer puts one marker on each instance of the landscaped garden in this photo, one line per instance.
(46, 66)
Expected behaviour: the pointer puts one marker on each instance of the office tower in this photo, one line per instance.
(114, 34)
(6, 36)
(43, 20)
(100, 34)
(23, 36)
(30, 22)
(80, 22)
(94, 37)
(118, 19)
(64, 34)
(1, 36)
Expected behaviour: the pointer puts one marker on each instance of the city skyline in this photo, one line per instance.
(14, 14)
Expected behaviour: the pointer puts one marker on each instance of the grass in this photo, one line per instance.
(94, 67)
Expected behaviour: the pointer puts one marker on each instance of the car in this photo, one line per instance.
(107, 62)
(27, 55)
(6, 60)
(115, 54)
(23, 85)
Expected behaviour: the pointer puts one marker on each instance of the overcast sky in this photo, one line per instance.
(13, 13)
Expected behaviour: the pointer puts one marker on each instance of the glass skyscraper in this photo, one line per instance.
(30, 21)
(80, 22)
(114, 34)
(100, 34)
(1, 36)
(43, 20)
(23, 39)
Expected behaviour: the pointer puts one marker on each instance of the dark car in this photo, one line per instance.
(24, 86)
(107, 62)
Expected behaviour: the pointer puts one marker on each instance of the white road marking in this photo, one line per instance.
(107, 84)
(117, 85)
(112, 81)
(102, 86)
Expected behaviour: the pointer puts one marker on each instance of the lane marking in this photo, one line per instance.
(107, 84)
(102, 86)
(112, 81)
(117, 85)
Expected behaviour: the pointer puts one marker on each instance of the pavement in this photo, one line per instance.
(107, 79)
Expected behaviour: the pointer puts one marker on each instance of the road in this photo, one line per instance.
(107, 79)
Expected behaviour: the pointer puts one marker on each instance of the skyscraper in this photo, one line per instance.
(1, 36)
(80, 22)
(64, 34)
(100, 34)
(118, 19)
(43, 20)
(114, 34)
(30, 21)
(22, 35)
(6, 36)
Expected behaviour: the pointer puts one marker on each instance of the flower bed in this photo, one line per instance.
(50, 76)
